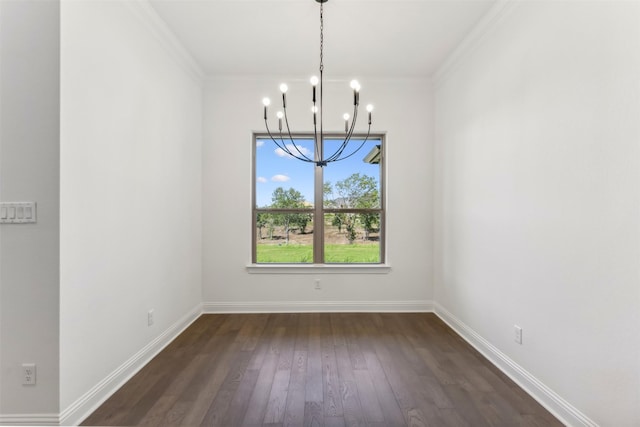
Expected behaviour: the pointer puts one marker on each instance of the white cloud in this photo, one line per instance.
(280, 152)
(261, 179)
(280, 178)
(259, 143)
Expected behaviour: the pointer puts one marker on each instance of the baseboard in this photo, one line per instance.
(318, 306)
(90, 401)
(29, 419)
(555, 404)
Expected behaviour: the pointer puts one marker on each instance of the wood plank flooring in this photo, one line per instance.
(320, 369)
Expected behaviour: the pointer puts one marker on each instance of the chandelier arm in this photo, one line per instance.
(343, 145)
(318, 145)
(316, 148)
(286, 120)
(336, 155)
(286, 149)
(283, 147)
(359, 147)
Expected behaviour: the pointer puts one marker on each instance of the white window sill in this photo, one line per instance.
(318, 268)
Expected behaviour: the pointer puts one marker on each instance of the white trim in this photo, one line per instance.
(91, 400)
(555, 404)
(165, 36)
(318, 268)
(297, 78)
(494, 16)
(423, 306)
(29, 419)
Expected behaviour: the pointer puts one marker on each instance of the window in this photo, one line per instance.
(306, 214)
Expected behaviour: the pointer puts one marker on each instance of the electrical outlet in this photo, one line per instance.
(28, 374)
(517, 334)
(150, 318)
(317, 284)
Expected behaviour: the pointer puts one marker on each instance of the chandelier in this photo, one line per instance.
(290, 147)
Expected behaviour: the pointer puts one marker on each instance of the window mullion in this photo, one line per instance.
(318, 202)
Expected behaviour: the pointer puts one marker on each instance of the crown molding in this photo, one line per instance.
(165, 36)
(493, 17)
(336, 79)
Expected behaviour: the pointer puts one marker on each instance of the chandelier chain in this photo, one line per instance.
(321, 38)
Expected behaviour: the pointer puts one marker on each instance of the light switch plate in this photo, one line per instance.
(17, 212)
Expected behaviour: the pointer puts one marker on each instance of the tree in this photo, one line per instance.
(350, 225)
(289, 199)
(327, 190)
(369, 223)
(338, 220)
(302, 220)
(359, 192)
(270, 226)
(261, 221)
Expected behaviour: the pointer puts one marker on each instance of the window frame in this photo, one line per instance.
(318, 210)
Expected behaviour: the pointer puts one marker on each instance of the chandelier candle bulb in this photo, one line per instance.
(266, 102)
(356, 92)
(284, 88)
(279, 115)
(346, 122)
(314, 83)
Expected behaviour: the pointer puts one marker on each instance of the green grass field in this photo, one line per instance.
(293, 254)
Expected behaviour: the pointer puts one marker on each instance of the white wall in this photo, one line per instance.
(537, 211)
(130, 190)
(29, 167)
(232, 109)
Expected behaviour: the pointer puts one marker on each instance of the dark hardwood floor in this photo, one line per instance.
(320, 369)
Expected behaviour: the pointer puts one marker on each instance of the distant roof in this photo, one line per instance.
(374, 156)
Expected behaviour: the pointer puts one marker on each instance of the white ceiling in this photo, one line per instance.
(374, 38)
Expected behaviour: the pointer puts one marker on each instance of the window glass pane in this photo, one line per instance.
(284, 238)
(277, 169)
(352, 238)
(355, 181)
(349, 219)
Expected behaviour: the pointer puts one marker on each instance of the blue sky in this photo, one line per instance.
(275, 168)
